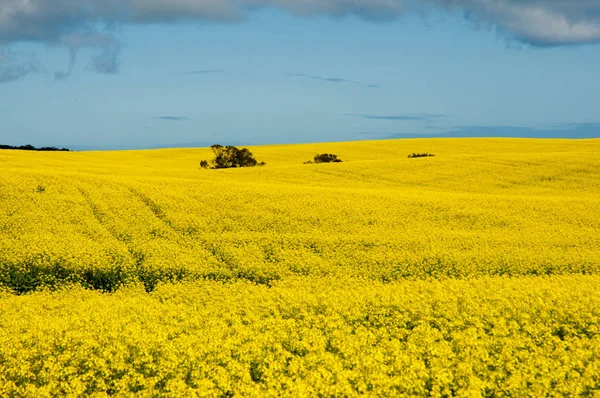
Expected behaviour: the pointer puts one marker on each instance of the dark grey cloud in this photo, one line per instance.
(15, 65)
(564, 130)
(77, 23)
(421, 117)
(172, 118)
(537, 22)
(207, 71)
(49, 20)
(105, 61)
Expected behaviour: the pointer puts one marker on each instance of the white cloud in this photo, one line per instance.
(537, 22)
(537, 25)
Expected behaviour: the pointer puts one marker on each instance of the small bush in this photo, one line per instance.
(420, 155)
(324, 158)
(230, 157)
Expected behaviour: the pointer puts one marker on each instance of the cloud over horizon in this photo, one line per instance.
(421, 117)
(325, 79)
(562, 130)
(206, 71)
(333, 80)
(172, 118)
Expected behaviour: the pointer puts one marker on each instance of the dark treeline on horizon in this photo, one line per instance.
(32, 148)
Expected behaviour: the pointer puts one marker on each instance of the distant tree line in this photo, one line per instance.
(32, 148)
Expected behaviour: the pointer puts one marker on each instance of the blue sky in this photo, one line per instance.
(274, 73)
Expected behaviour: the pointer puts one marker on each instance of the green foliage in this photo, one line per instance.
(37, 274)
(230, 157)
(325, 158)
(420, 155)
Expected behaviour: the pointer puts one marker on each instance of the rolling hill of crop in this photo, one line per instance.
(473, 272)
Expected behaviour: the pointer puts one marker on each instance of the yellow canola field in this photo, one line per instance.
(306, 337)
(479, 207)
(471, 273)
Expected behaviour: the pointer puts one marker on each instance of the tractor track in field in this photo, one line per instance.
(135, 254)
(221, 255)
(155, 209)
(99, 215)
